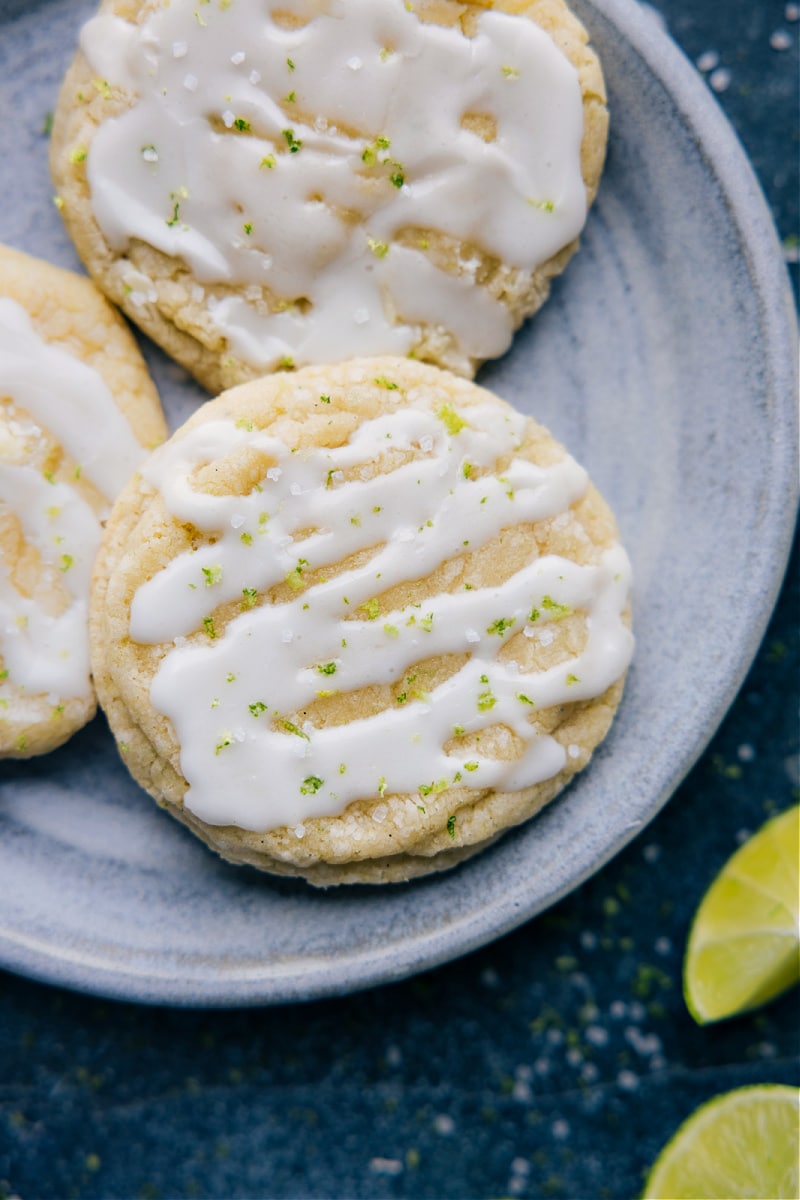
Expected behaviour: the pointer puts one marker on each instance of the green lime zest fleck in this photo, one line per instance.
(295, 729)
(557, 611)
(451, 826)
(294, 578)
(541, 205)
(310, 785)
(501, 625)
(176, 198)
(369, 155)
(453, 423)
(428, 789)
(212, 575)
(226, 739)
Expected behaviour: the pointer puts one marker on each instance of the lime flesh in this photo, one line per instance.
(744, 945)
(743, 1144)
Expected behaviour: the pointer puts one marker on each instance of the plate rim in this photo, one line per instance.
(728, 165)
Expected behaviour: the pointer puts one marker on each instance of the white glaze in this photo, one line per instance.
(181, 172)
(44, 653)
(244, 770)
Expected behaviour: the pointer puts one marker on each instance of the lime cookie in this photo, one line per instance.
(76, 409)
(353, 622)
(272, 185)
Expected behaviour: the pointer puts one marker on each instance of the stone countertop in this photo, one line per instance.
(553, 1063)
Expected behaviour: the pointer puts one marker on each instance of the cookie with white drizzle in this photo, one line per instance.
(265, 186)
(78, 413)
(353, 622)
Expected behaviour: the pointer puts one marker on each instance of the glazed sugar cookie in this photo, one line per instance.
(272, 185)
(76, 407)
(353, 622)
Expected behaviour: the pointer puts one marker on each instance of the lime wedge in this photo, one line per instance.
(741, 1144)
(744, 945)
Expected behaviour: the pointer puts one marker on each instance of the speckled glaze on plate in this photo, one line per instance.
(665, 359)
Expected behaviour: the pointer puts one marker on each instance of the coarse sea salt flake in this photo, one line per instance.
(237, 521)
(190, 82)
(179, 49)
(708, 61)
(238, 58)
(720, 79)
(228, 118)
(361, 316)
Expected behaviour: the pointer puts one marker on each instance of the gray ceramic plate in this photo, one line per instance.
(665, 361)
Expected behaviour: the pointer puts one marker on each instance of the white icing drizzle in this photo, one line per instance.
(228, 694)
(248, 142)
(43, 653)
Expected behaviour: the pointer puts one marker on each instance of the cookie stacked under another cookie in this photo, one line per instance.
(353, 622)
(77, 414)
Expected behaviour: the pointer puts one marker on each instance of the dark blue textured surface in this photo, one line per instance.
(554, 1063)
